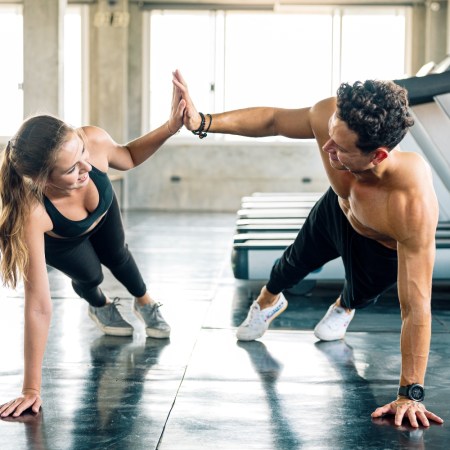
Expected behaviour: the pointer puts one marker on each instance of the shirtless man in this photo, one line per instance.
(380, 215)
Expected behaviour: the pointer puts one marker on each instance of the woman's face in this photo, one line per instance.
(71, 169)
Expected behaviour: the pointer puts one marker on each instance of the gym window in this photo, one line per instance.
(75, 65)
(11, 75)
(291, 59)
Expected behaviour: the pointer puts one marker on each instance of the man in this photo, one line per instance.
(380, 215)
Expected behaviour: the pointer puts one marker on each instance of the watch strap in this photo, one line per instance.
(403, 390)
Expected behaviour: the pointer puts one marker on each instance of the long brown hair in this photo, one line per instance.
(27, 162)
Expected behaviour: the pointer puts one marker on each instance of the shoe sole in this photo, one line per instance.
(111, 331)
(268, 323)
(152, 332)
(321, 338)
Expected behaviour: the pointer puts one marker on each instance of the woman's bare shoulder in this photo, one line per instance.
(38, 219)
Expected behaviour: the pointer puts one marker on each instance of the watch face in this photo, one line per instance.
(416, 392)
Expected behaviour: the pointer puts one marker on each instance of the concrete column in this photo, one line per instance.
(448, 27)
(436, 31)
(109, 68)
(418, 41)
(43, 56)
(136, 70)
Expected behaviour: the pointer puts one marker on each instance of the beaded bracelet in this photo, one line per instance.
(200, 131)
(210, 122)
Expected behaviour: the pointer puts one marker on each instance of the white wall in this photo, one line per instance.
(214, 176)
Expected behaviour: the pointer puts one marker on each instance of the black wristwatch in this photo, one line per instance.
(415, 392)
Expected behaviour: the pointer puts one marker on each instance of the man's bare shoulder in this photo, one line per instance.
(413, 206)
(320, 114)
(412, 170)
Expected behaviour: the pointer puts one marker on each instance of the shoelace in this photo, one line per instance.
(113, 311)
(116, 301)
(251, 314)
(153, 306)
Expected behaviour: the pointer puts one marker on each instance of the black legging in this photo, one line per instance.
(81, 258)
(370, 268)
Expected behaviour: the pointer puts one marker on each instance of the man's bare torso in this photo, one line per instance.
(366, 220)
(370, 207)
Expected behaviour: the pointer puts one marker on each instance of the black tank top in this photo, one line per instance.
(70, 228)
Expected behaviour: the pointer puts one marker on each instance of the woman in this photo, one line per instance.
(59, 208)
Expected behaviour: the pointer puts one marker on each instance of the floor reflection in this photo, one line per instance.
(114, 388)
(408, 437)
(202, 389)
(269, 369)
(34, 431)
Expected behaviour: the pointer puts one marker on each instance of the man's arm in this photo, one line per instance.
(414, 223)
(415, 267)
(252, 122)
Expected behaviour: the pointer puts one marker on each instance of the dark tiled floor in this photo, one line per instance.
(202, 388)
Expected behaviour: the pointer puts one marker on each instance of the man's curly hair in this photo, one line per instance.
(377, 111)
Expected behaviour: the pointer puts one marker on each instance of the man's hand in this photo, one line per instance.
(20, 404)
(414, 411)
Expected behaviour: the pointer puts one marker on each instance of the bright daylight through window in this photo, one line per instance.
(282, 59)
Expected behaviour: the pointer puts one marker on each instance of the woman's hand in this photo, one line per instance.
(176, 112)
(30, 398)
(192, 118)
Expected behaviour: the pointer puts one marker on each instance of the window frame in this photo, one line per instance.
(337, 13)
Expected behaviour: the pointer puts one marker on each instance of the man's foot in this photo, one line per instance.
(109, 319)
(258, 320)
(334, 324)
(155, 325)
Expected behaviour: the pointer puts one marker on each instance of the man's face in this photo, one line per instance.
(342, 150)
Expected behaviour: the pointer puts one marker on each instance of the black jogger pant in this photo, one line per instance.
(370, 268)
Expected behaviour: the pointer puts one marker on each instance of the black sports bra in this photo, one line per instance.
(65, 227)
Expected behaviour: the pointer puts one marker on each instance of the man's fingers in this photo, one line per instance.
(386, 409)
(423, 418)
(433, 416)
(411, 412)
(399, 416)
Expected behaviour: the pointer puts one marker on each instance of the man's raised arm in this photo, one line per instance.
(252, 122)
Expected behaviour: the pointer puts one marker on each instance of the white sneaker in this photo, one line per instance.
(258, 320)
(334, 324)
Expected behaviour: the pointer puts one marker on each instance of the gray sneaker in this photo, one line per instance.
(155, 325)
(109, 319)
